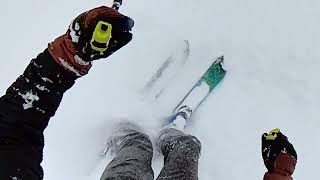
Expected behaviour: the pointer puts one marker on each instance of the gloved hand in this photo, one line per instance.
(278, 153)
(74, 50)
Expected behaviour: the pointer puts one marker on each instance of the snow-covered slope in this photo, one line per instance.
(271, 53)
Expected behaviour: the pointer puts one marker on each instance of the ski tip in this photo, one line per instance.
(219, 60)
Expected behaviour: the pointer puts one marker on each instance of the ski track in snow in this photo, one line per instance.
(271, 53)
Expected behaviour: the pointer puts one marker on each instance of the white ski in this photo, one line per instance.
(167, 72)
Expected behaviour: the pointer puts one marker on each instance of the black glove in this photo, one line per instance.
(75, 50)
(82, 28)
(273, 144)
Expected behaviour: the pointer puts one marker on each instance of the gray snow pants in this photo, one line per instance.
(133, 160)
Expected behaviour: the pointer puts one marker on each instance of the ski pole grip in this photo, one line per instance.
(116, 4)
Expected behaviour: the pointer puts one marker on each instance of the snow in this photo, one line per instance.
(179, 123)
(271, 51)
(69, 67)
(46, 79)
(73, 33)
(29, 99)
(80, 61)
(42, 88)
(167, 71)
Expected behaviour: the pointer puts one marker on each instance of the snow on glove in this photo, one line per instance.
(278, 153)
(74, 50)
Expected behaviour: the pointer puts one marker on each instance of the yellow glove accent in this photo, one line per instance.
(273, 134)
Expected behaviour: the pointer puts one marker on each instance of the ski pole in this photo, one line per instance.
(116, 4)
(102, 32)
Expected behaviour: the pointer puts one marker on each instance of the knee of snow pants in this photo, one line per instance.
(133, 160)
(181, 155)
(19, 161)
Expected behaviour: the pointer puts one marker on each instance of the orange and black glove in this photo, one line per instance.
(74, 50)
(278, 154)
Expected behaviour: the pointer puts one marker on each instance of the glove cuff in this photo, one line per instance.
(284, 164)
(64, 53)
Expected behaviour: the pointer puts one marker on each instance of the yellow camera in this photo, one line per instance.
(101, 36)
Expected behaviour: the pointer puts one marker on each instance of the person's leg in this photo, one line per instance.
(19, 161)
(181, 155)
(133, 158)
